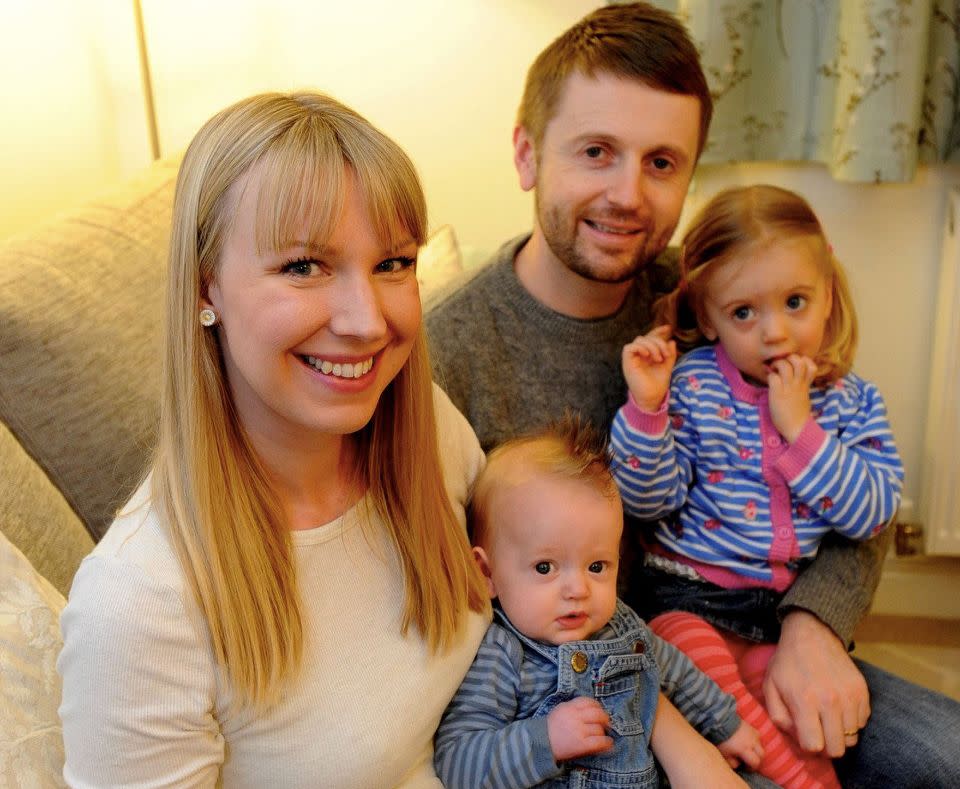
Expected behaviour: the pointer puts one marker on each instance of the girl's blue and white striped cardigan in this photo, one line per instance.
(749, 504)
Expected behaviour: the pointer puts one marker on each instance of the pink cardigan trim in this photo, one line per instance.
(647, 422)
(777, 459)
(728, 579)
(800, 453)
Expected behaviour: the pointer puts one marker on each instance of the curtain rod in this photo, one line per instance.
(146, 81)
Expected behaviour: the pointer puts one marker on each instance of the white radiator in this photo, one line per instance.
(940, 497)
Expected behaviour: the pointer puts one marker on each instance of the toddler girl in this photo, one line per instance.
(766, 442)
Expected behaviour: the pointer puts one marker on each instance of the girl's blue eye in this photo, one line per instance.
(796, 302)
(742, 313)
(542, 567)
(393, 265)
(596, 567)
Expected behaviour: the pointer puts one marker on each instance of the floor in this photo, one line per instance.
(923, 650)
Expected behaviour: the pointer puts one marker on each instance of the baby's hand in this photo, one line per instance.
(790, 382)
(578, 728)
(743, 746)
(647, 364)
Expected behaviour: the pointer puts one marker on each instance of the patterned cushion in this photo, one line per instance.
(80, 305)
(31, 741)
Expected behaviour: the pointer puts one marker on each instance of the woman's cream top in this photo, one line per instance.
(144, 704)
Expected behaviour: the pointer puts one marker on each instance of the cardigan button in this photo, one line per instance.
(578, 661)
(773, 442)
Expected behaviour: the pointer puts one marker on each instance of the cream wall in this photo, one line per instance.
(441, 77)
(70, 104)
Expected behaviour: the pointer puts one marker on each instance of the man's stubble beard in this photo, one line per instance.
(562, 241)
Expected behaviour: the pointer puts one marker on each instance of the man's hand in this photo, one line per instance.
(743, 746)
(813, 689)
(578, 728)
(647, 364)
(789, 394)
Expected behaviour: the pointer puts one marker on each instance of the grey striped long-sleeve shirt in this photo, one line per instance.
(494, 732)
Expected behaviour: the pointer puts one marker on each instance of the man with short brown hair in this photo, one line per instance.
(612, 122)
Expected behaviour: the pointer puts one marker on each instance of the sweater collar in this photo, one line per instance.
(636, 305)
(742, 390)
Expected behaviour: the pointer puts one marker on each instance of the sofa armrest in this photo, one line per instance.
(80, 306)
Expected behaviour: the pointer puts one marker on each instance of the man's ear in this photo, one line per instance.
(480, 556)
(524, 158)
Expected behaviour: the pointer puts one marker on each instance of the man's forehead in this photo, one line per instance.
(615, 106)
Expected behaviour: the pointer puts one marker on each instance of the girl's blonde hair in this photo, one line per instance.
(729, 223)
(208, 484)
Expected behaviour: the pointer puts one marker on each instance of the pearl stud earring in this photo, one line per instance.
(207, 317)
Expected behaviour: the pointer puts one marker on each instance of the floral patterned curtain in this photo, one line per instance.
(868, 87)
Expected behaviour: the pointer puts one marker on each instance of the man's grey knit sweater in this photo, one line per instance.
(512, 365)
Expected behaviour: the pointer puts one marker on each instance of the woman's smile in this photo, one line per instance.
(340, 369)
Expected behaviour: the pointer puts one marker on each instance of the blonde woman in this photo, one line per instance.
(289, 599)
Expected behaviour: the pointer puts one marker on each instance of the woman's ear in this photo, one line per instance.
(211, 298)
(480, 556)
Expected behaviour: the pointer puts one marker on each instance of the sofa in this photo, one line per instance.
(80, 330)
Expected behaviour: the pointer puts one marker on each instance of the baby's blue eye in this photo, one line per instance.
(596, 567)
(742, 313)
(542, 567)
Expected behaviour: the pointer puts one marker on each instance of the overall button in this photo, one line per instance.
(639, 647)
(578, 661)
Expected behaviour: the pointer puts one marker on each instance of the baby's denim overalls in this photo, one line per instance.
(621, 673)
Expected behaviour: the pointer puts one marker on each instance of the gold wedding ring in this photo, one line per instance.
(853, 733)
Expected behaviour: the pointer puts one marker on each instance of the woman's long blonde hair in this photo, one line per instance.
(733, 220)
(209, 487)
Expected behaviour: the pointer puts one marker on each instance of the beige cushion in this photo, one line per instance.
(438, 262)
(80, 306)
(31, 740)
(37, 519)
